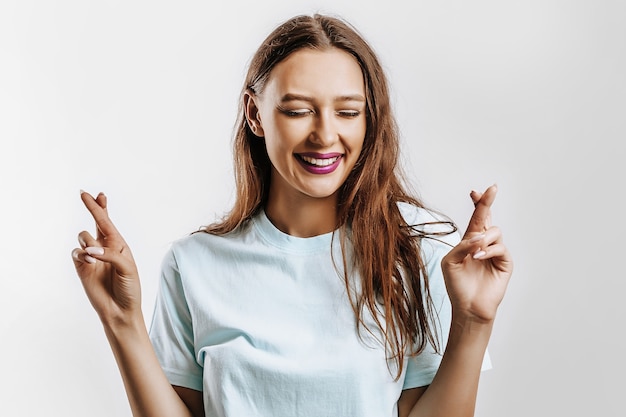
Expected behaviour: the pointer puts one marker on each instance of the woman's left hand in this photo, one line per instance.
(478, 269)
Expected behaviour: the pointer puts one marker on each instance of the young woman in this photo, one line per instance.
(328, 290)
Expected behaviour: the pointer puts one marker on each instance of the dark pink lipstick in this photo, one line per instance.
(319, 163)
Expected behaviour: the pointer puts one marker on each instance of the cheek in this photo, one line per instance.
(289, 133)
(357, 138)
(280, 142)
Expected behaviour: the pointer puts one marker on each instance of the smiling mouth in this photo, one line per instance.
(319, 162)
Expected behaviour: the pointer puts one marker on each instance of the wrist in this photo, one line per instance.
(123, 326)
(473, 313)
(466, 319)
(469, 331)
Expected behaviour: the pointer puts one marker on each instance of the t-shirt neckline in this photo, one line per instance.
(284, 241)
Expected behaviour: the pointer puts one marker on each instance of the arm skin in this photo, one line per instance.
(454, 388)
(148, 390)
(476, 272)
(193, 399)
(408, 399)
(109, 276)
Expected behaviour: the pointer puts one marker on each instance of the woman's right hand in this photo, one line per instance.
(106, 267)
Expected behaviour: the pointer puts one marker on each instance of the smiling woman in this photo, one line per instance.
(320, 293)
(312, 116)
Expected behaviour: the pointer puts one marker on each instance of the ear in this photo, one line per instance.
(253, 117)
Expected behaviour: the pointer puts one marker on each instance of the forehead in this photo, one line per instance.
(328, 72)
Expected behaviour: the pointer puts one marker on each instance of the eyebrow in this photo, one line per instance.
(299, 97)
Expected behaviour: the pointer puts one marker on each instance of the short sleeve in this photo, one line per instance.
(171, 330)
(421, 368)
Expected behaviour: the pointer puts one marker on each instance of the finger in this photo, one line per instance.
(481, 217)
(489, 237)
(492, 251)
(85, 239)
(498, 255)
(81, 257)
(121, 260)
(486, 240)
(101, 199)
(104, 225)
(475, 196)
(472, 245)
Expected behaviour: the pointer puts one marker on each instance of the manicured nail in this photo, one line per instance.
(479, 254)
(89, 259)
(82, 191)
(94, 250)
(477, 238)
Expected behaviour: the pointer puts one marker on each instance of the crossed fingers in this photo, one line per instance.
(107, 235)
(480, 221)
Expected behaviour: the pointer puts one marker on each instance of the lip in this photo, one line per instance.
(319, 170)
(320, 155)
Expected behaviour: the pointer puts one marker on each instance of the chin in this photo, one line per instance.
(323, 194)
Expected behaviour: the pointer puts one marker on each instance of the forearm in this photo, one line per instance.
(454, 388)
(149, 392)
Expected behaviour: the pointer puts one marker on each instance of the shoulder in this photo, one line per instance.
(189, 246)
(191, 258)
(413, 214)
(202, 242)
(429, 225)
(193, 242)
(201, 246)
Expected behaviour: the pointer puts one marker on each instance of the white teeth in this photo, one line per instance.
(319, 162)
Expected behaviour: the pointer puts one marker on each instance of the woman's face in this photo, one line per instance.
(312, 115)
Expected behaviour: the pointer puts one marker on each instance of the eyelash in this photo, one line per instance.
(296, 113)
(349, 113)
(300, 113)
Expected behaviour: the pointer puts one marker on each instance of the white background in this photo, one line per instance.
(138, 99)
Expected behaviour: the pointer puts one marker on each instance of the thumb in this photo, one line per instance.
(121, 260)
(465, 247)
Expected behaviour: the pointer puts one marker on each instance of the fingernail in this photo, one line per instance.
(94, 250)
(477, 238)
(89, 259)
(82, 191)
(479, 254)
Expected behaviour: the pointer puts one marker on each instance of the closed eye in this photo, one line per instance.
(349, 113)
(295, 112)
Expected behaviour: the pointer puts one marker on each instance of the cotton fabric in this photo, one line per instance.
(260, 321)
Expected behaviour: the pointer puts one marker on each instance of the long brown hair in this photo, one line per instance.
(393, 279)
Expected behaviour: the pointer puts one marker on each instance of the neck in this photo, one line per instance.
(302, 216)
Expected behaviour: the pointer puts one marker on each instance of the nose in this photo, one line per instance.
(325, 132)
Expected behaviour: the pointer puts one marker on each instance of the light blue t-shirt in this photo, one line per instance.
(261, 323)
